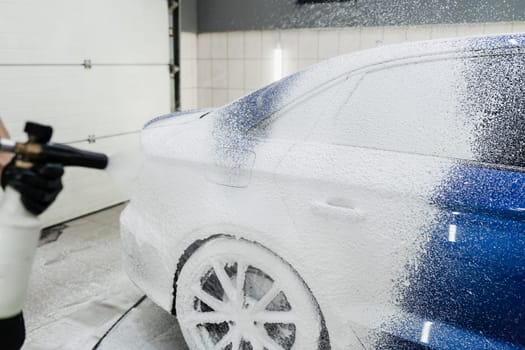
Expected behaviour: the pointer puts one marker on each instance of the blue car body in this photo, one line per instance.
(469, 287)
(466, 289)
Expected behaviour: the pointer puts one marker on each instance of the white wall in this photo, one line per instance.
(188, 75)
(42, 47)
(232, 64)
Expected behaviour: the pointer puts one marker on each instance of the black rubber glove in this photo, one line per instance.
(12, 332)
(38, 186)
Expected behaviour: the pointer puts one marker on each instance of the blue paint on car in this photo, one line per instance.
(245, 113)
(468, 286)
(496, 42)
(424, 334)
(471, 278)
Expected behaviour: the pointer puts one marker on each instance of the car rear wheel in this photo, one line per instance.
(237, 295)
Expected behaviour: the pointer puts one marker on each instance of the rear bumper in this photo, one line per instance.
(142, 261)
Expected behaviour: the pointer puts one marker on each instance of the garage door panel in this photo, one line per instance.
(88, 190)
(101, 101)
(43, 45)
(69, 31)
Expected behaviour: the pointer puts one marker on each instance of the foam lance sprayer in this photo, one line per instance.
(19, 228)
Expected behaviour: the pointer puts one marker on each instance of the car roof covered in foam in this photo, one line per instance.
(248, 111)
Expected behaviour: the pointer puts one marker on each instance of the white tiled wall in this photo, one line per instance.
(189, 71)
(231, 64)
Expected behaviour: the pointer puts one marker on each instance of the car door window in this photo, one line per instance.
(310, 111)
(494, 102)
(460, 107)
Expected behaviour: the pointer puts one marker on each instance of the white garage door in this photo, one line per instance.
(43, 47)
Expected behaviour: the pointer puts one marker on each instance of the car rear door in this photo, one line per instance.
(471, 275)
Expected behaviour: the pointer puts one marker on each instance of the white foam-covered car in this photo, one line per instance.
(342, 207)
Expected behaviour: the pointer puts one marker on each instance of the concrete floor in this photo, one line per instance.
(80, 294)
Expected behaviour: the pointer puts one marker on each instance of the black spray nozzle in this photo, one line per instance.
(67, 155)
(39, 150)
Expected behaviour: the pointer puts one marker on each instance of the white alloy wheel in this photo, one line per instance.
(237, 295)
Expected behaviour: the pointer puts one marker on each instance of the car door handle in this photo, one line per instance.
(337, 211)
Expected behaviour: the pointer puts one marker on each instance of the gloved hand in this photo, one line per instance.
(38, 186)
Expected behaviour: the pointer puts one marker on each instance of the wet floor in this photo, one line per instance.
(80, 297)
(145, 327)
